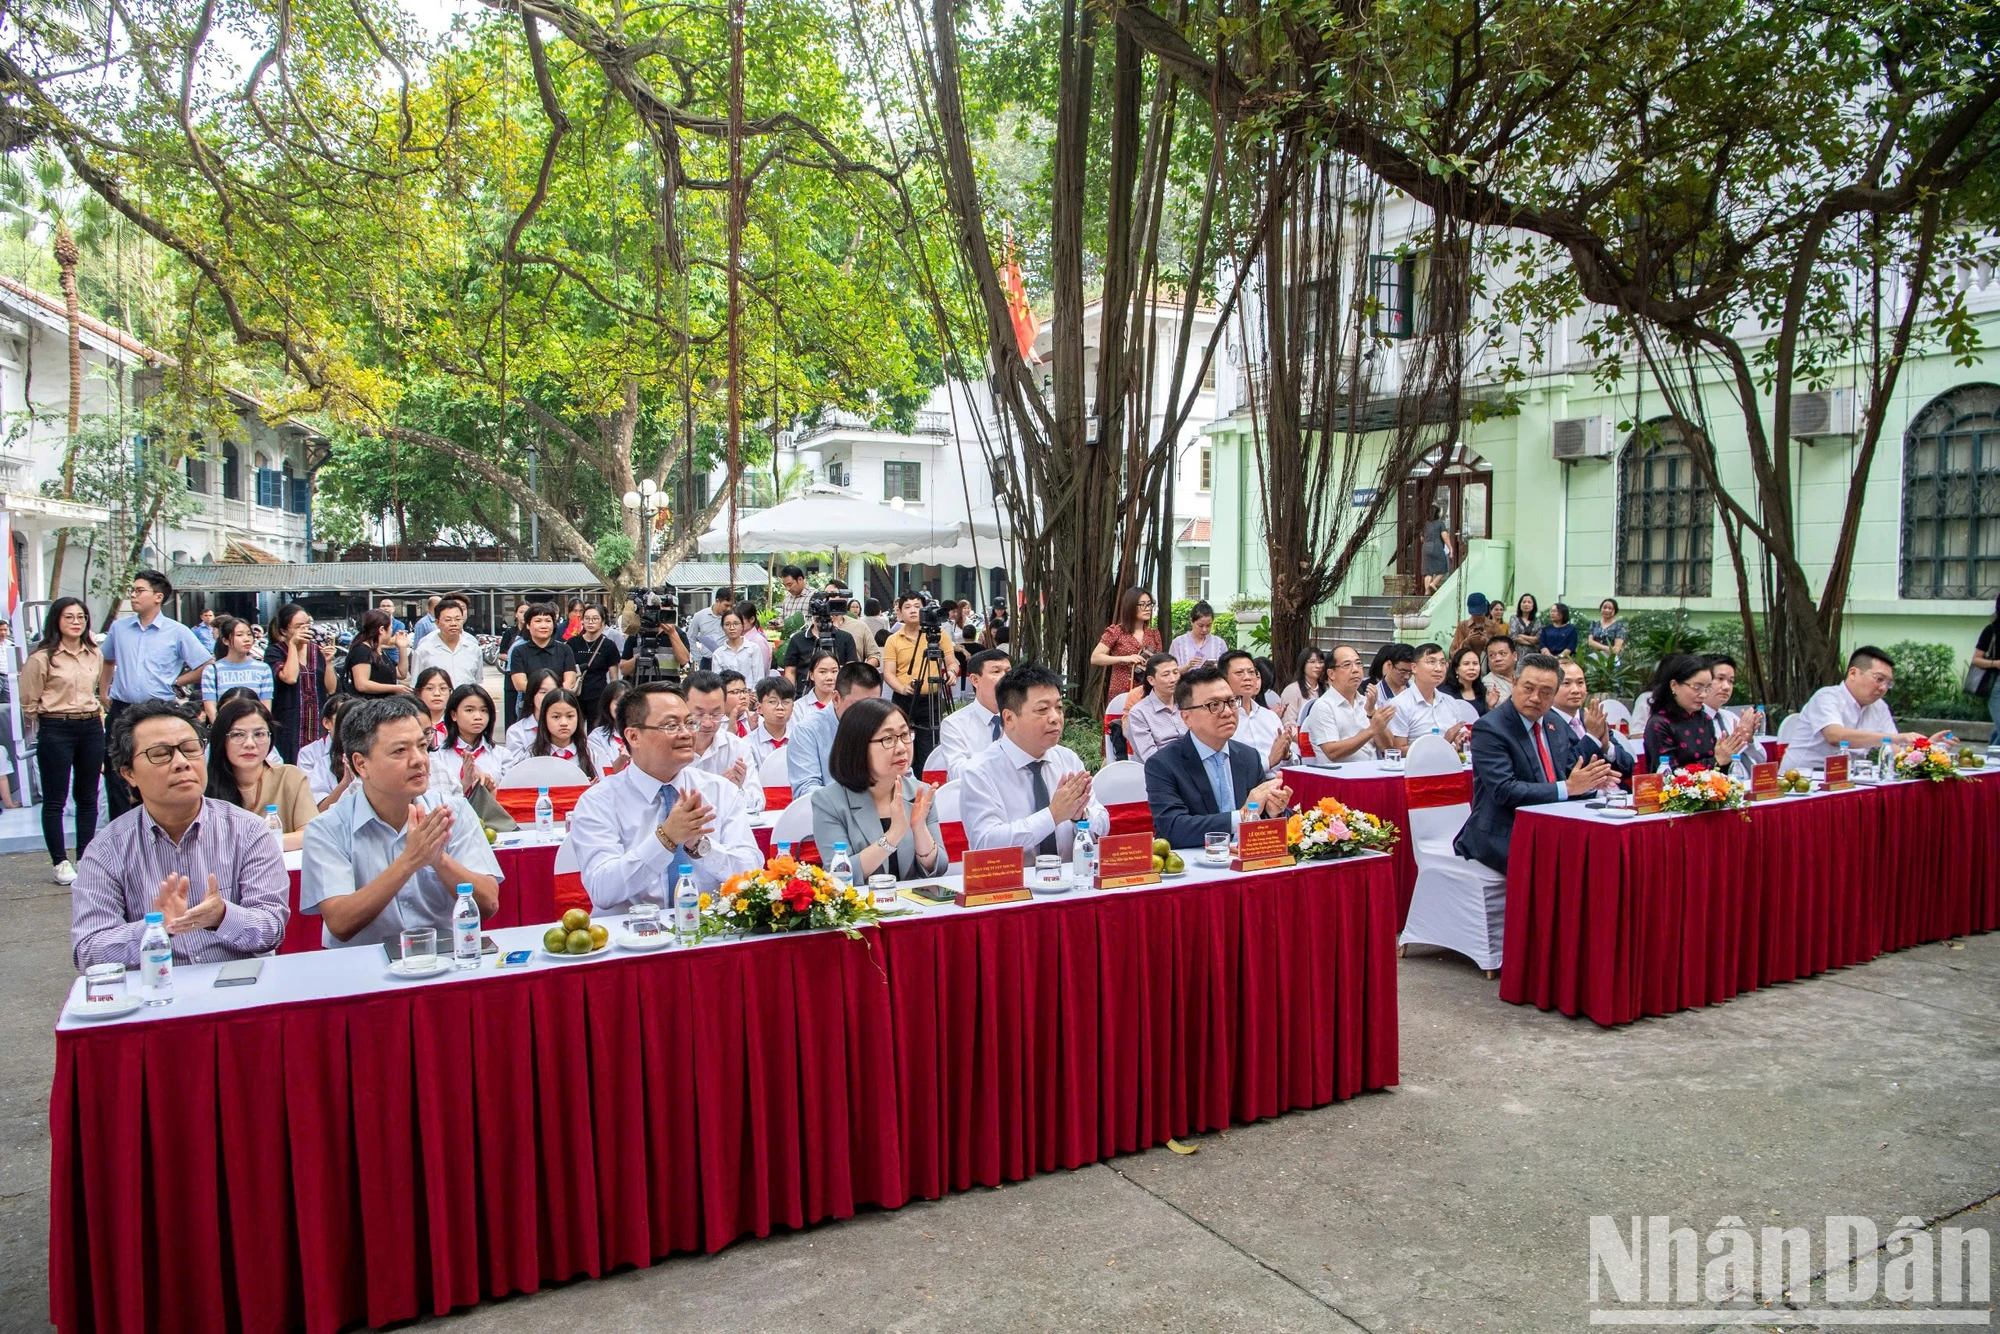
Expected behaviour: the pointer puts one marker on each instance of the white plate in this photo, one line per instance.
(112, 1009)
(1618, 813)
(567, 957)
(415, 968)
(643, 944)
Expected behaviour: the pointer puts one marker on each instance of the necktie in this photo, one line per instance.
(1039, 789)
(1219, 784)
(779, 744)
(996, 727)
(1542, 745)
(1576, 726)
(563, 754)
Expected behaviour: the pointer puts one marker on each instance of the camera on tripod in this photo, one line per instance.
(930, 615)
(658, 609)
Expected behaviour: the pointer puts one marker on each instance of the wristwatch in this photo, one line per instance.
(884, 844)
(697, 849)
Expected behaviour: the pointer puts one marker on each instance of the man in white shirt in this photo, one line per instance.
(775, 697)
(717, 748)
(974, 726)
(377, 862)
(1423, 707)
(450, 647)
(630, 831)
(1855, 711)
(1258, 726)
(1721, 686)
(810, 738)
(1027, 790)
(1340, 726)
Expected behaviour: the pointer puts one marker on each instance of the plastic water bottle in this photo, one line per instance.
(687, 906)
(841, 867)
(1736, 769)
(274, 824)
(1237, 819)
(784, 849)
(1083, 856)
(545, 813)
(156, 962)
(465, 929)
(1885, 759)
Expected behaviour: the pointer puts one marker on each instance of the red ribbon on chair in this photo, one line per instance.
(1438, 790)
(1305, 744)
(936, 777)
(519, 802)
(1130, 817)
(953, 834)
(570, 893)
(777, 798)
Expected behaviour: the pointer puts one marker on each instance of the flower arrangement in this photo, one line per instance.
(1700, 788)
(1328, 830)
(1920, 759)
(786, 895)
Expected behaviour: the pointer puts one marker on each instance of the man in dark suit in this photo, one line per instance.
(1195, 782)
(1521, 758)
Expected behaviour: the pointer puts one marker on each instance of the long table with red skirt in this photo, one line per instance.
(1619, 920)
(331, 1147)
(1366, 785)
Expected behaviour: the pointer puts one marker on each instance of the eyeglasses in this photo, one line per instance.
(259, 735)
(664, 729)
(164, 753)
(1215, 708)
(700, 716)
(894, 739)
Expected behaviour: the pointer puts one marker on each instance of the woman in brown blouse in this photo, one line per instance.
(240, 771)
(59, 698)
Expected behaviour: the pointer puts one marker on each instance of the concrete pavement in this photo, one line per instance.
(1459, 1202)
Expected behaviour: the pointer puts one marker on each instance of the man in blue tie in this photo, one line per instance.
(1196, 782)
(974, 726)
(629, 832)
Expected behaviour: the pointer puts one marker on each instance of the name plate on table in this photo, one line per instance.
(1646, 790)
(1262, 844)
(993, 875)
(1124, 860)
(1836, 773)
(1764, 782)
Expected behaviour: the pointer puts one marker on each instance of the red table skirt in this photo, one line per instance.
(1378, 796)
(1617, 922)
(379, 1158)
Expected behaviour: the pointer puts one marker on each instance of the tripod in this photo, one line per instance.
(927, 707)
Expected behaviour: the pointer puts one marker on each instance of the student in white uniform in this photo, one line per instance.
(718, 750)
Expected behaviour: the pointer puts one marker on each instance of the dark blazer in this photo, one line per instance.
(1177, 789)
(1507, 775)
(842, 815)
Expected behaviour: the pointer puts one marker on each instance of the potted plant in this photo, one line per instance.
(1409, 614)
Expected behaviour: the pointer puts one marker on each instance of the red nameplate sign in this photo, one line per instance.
(1764, 782)
(1836, 772)
(1261, 844)
(1646, 789)
(993, 875)
(1126, 859)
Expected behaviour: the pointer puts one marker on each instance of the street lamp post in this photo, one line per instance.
(646, 502)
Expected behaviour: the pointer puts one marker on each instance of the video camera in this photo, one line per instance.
(930, 615)
(658, 608)
(653, 657)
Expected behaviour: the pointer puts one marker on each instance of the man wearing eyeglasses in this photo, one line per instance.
(211, 868)
(717, 749)
(1855, 711)
(1198, 781)
(630, 832)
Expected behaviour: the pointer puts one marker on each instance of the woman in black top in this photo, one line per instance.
(366, 671)
(1680, 730)
(1986, 655)
(596, 659)
(1463, 680)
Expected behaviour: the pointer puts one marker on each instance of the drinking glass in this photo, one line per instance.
(1215, 846)
(103, 983)
(1048, 870)
(882, 889)
(420, 947)
(643, 919)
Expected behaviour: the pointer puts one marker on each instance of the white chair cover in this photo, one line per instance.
(795, 825)
(1793, 730)
(544, 771)
(1457, 904)
(1615, 713)
(1123, 781)
(774, 772)
(946, 803)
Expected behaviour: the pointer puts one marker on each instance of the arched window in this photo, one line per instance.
(1951, 497)
(1666, 517)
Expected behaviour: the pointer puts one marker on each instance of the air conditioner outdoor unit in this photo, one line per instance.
(1576, 438)
(1822, 413)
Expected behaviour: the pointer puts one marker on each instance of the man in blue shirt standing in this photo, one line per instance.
(389, 651)
(146, 655)
(426, 624)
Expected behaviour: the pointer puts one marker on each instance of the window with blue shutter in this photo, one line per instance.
(270, 488)
(300, 500)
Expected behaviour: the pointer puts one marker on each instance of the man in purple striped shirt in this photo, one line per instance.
(211, 867)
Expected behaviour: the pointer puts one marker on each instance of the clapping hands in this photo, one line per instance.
(172, 905)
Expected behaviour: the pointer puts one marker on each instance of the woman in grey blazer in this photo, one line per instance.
(874, 805)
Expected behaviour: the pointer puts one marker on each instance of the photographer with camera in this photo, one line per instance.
(920, 662)
(655, 650)
(818, 635)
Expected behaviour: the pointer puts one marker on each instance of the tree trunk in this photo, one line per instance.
(67, 257)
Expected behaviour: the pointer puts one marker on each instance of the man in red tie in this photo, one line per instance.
(1521, 758)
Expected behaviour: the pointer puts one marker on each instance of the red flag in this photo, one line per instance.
(1026, 326)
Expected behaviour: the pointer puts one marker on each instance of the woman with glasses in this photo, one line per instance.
(61, 700)
(874, 804)
(1124, 645)
(239, 748)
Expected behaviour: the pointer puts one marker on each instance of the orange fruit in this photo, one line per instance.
(576, 919)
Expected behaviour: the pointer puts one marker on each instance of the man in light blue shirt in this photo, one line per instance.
(377, 862)
(146, 655)
(810, 739)
(425, 623)
(204, 629)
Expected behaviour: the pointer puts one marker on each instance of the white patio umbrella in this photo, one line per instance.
(954, 545)
(820, 521)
